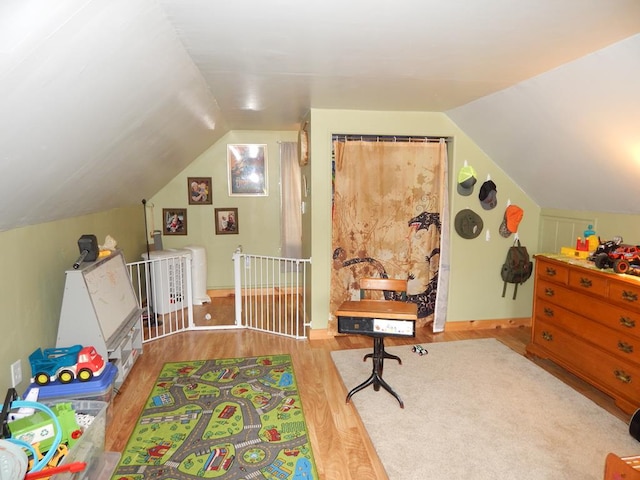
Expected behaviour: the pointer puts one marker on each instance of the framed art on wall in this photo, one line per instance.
(226, 220)
(199, 190)
(175, 221)
(247, 169)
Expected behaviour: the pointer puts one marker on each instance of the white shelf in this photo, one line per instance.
(100, 308)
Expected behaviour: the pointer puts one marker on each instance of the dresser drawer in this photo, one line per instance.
(552, 292)
(562, 295)
(626, 294)
(611, 374)
(614, 341)
(624, 321)
(585, 281)
(552, 272)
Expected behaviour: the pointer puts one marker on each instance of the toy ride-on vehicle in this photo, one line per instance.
(614, 254)
(65, 364)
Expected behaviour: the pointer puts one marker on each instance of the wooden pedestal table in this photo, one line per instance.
(378, 319)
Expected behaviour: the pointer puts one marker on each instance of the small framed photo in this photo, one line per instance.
(175, 221)
(199, 190)
(226, 220)
(247, 168)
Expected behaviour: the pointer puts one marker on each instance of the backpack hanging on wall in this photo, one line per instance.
(517, 267)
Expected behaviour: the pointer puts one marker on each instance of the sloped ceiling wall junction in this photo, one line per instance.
(101, 106)
(569, 137)
(104, 102)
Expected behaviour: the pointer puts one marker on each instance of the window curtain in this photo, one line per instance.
(291, 197)
(390, 200)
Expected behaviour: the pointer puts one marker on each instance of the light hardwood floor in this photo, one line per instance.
(341, 446)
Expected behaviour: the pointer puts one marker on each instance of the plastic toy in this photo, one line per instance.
(73, 467)
(420, 350)
(601, 254)
(582, 245)
(39, 429)
(65, 364)
(614, 254)
(51, 431)
(61, 451)
(625, 256)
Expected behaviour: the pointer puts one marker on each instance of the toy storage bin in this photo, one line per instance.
(99, 388)
(110, 461)
(90, 446)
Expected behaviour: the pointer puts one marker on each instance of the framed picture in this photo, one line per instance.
(226, 220)
(199, 190)
(247, 167)
(175, 221)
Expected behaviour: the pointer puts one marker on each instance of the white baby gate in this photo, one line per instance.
(164, 291)
(270, 295)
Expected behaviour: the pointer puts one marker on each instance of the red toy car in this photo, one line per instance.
(621, 258)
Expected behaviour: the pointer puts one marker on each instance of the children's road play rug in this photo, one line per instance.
(234, 418)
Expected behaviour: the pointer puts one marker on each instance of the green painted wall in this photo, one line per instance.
(258, 217)
(606, 225)
(36, 257)
(475, 288)
(34, 263)
(475, 284)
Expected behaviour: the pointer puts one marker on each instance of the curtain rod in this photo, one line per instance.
(385, 138)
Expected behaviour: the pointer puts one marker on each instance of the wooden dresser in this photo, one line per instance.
(588, 321)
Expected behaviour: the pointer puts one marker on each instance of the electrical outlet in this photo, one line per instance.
(16, 373)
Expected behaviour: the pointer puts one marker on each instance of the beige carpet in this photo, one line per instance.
(475, 409)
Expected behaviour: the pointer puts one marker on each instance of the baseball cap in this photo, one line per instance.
(512, 216)
(488, 195)
(468, 224)
(467, 178)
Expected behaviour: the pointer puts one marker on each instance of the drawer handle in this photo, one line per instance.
(629, 296)
(548, 311)
(586, 282)
(627, 322)
(547, 336)
(622, 376)
(549, 292)
(551, 272)
(625, 347)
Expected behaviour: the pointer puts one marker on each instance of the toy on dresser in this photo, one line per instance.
(614, 254)
(585, 245)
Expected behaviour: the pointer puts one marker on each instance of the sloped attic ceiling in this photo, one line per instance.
(569, 137)
(101, 106)
(105, 102)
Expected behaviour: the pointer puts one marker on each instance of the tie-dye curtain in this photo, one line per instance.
(387, 209)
